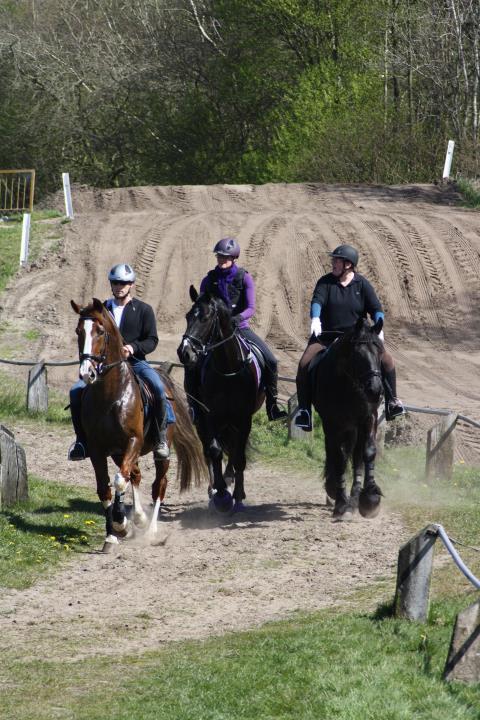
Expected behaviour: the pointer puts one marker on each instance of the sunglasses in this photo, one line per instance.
(120, 282)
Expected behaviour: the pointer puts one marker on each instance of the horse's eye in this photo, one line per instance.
(100, 331)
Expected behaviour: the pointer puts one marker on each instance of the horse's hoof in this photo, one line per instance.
(110, 544)
(345, 515)
(140, 520)
(239, 507)
(222, 502)
(369, 502)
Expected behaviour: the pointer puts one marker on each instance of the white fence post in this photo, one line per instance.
(68, 195)
(25, 239)
(448, 159)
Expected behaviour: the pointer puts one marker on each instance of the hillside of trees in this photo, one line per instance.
(129, 92)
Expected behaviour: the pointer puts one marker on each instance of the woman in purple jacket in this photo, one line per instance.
(235, 286)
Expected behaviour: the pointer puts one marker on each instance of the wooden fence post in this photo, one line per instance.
(294, 432)
(440, 448)
(13, 470)
(37, 391)
(463, 661)
(415, 562)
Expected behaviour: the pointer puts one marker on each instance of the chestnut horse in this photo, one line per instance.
(347, 390)
(113, 421)
(229, 393)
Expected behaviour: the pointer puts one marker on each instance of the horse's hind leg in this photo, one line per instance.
(159, 488)
(240, 463)
(139, 515)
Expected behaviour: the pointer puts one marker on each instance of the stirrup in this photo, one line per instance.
(274, 412)
(77, 451)
(393, 408)
(161, 451)
(303, 420)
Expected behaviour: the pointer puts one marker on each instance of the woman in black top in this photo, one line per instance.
(340, 298)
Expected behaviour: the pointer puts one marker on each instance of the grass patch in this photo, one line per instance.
(470, 194)
(347, 667)
(36, 535)
(41, 238)
(269, 443)
(13, 404)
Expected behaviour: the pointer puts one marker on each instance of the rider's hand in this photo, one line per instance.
(381, 336)
(316, 327)
(127, 350)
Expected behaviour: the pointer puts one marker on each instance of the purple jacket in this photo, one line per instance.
(246, 307)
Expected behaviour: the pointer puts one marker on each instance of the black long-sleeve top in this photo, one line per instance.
(341, 306)
(138, 326)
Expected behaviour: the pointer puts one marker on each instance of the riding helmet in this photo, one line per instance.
(346, 252)
(122, 273)
(228, 247)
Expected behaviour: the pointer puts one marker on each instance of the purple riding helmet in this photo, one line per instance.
(228, 247)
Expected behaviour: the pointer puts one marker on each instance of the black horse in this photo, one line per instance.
(227, 392)
(347, 390)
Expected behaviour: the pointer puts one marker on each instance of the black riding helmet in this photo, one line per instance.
(346, 252)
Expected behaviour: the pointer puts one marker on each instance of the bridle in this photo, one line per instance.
(204, 349)
(99, 367)
(361, 380)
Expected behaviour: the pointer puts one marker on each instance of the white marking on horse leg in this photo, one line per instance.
(152, 530)
(119, 482)
(139, 516)
(120, 527)
(112, 539)
(106, 504)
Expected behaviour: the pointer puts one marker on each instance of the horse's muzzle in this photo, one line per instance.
(186, 354)
(88, 372)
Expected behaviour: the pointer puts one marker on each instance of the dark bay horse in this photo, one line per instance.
(113, 420)
(347, 390)
(228, 391)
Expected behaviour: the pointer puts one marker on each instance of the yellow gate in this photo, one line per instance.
(16, 190)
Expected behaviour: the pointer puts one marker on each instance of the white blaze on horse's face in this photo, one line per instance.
(88, 372)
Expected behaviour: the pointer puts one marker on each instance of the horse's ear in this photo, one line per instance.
(377, 328)
(75, 306)
(97, 305)
(193, 293)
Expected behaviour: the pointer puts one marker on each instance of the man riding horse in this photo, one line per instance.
(235, 286)
(136, 322)
(340, 299)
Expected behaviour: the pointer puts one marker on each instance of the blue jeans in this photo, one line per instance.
(163, 410)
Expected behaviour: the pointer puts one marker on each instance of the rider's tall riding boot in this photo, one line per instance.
(303, 418)
(78, 449)
(161, 451)
(274, 412)
(393, 406)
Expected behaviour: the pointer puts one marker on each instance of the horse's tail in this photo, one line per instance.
(188, 448)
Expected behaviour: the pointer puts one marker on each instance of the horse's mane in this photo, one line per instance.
(360, 333)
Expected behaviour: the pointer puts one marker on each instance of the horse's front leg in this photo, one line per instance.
(129, 471)
(370, 495)
(239, 464)
(104, 493)
(339, 445)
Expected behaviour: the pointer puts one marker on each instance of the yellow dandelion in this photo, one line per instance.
(52, 537)
(66, 516)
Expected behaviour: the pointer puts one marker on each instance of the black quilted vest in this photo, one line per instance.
(236, 290)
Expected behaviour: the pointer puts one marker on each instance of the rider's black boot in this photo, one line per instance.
(161, 451)
(393, 406)
(303, 417)
(274, 412)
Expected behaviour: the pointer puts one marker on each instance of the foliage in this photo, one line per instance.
(204, 91)
(470, 193)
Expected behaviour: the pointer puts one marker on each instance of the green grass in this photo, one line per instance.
(42, 236)
(269, 443)
(56, 522)
(13, 403)
(471, 195)
(326, 665)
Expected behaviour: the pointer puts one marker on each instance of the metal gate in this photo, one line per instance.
(17, 188)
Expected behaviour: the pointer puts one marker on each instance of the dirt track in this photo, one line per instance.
(420, 252)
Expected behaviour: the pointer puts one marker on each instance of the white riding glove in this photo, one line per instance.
(381, 336)
(316, 327)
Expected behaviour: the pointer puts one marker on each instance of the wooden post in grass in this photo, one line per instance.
(414, 572)
(37, 390)
(440, 448)
(295, 433)
(13, 470)
(463, 661)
